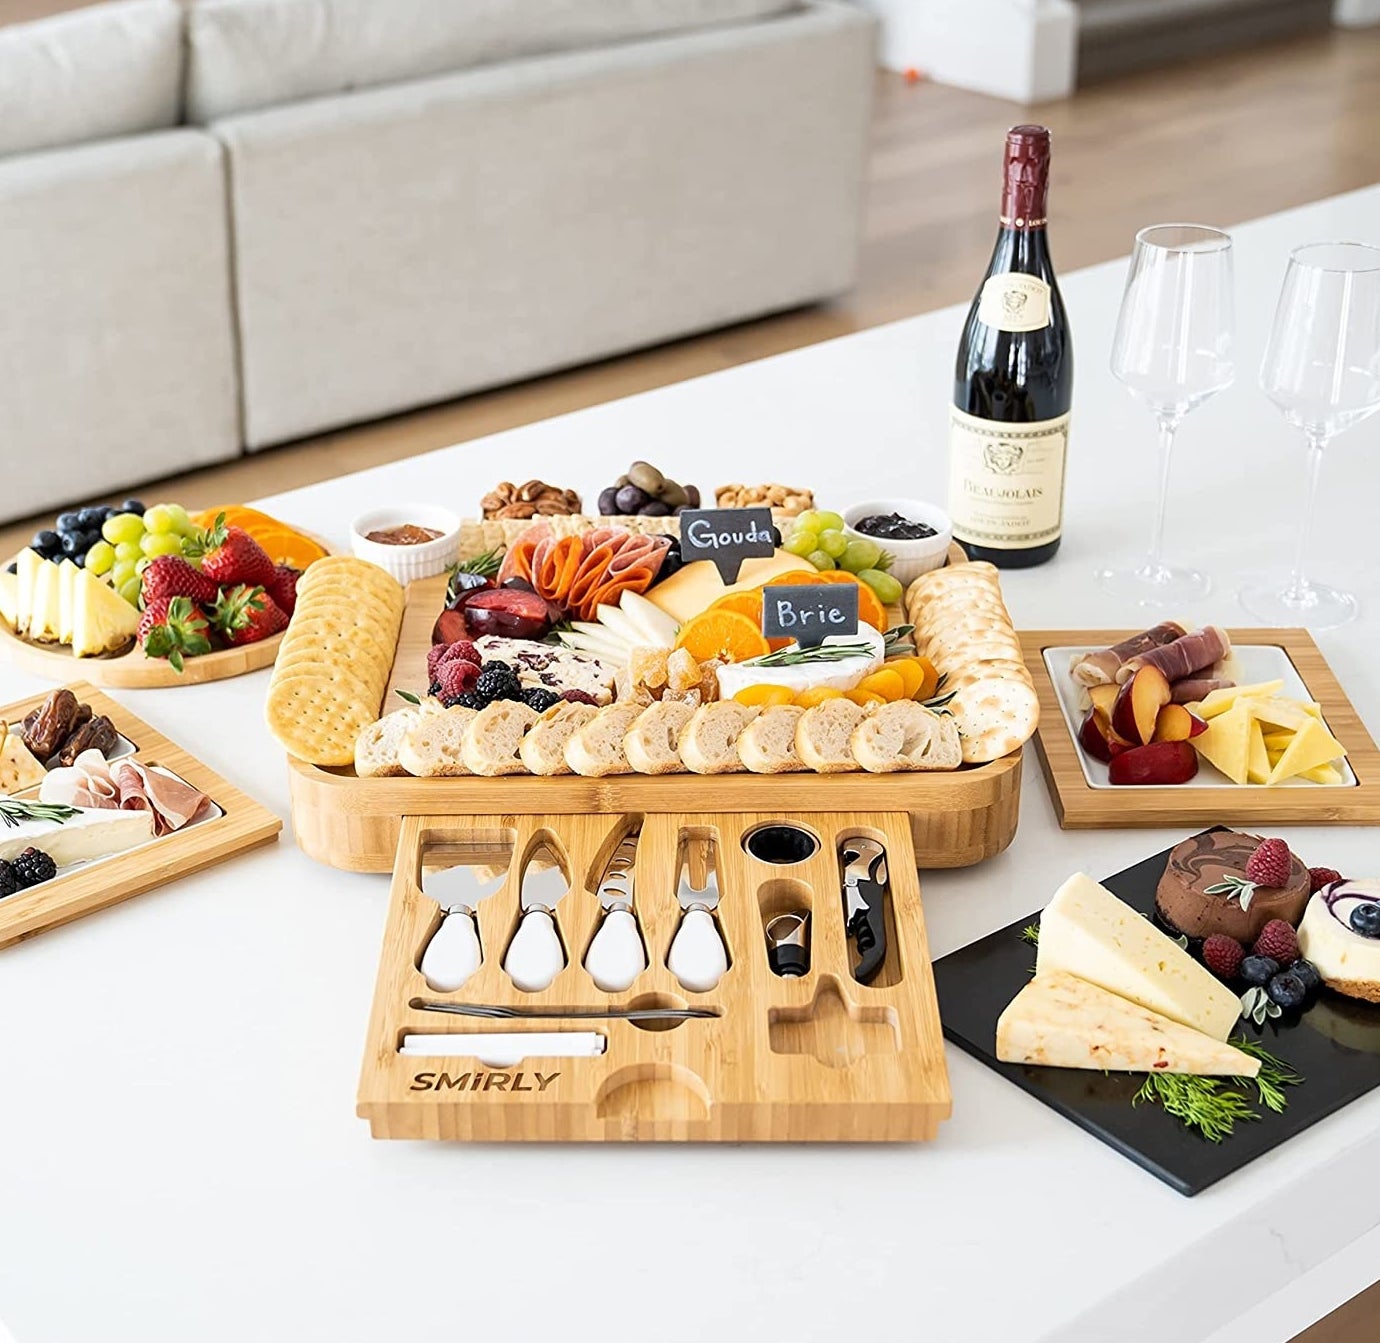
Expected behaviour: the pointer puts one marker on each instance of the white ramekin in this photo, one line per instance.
(406, 563)
(910, 558)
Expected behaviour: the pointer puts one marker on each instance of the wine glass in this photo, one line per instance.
(1322, 369)
(1172, 350)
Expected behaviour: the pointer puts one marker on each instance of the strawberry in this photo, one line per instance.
(229, 555)
(172, 628)
(1270, 864)
(245, 615)
(283, 588)
(171, 576)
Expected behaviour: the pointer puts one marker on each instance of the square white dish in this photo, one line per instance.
(1252, 663)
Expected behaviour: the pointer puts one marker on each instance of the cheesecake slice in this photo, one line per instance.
(94, 832)
(1060, 1021)
(1086, 931)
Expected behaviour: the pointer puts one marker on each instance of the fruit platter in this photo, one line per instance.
(136, 596)
(1172, 723)
(1193, 1011)
(571, 663)
(96, 807)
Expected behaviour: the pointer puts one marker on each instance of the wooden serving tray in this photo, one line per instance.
(107, 881)
(958, 818)
(1080, 806)
(820, 1058)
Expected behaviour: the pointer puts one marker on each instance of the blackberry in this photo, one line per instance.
(33, 866)
(469, 699)
(433, 688)
(540, 699)
(494, 666)
(497, 680)
(9, 883)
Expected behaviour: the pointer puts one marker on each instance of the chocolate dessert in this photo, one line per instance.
(1219, 859)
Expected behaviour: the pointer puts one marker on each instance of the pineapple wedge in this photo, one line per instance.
(27, 565)
(9, 599)
(67, 573)
(102, 621)
(45, 610)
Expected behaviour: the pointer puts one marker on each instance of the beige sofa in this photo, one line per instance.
(370, 206)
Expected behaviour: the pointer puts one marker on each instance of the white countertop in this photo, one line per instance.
(179, 1154)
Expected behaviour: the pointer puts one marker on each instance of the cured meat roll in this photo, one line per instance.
(1101, 668)
(1194, 688)
(1192, 653)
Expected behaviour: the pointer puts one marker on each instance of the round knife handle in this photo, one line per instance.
(616, 956)
(535, 955)
(453, 954)
(697, 957)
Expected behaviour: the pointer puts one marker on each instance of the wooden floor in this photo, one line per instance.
(1219, 142)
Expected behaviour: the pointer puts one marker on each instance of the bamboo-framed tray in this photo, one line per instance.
(237, 823)
(1081, 803)
(816, 1058)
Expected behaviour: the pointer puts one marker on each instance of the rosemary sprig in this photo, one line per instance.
(794, 657)
(486, 565)
(13, 811)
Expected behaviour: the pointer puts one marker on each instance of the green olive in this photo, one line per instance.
(646, 477)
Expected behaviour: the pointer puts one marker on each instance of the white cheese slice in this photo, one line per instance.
(841, 675)
(1088, 932)
(94, 832)
(1061, 1021)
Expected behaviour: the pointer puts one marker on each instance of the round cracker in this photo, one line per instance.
(985, 670)
(316, 722)
(994, 718)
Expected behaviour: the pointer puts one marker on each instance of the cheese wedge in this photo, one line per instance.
(1313, 745)
(67, 573)
(18, 768)
(94, 832)
(27, 564)
(1219, 701)
(1258, 762)
(45, 615)
(690, 590)
(1227, 742)
(1086, 931)
(1286, 713)
(9, 598)
(1061, 1021)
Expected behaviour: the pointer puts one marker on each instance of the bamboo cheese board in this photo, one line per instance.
(1083, 799)
(957, 818)
(234, 824)
(818, 1057)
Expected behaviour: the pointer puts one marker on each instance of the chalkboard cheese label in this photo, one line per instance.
(727, 537)
(809, 614)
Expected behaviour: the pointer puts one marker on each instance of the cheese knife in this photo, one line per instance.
(616, 956)
(698, 958)
(453, 953)
(535, 956)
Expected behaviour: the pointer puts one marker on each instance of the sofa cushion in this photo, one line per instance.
(253, 53)
(113, 69)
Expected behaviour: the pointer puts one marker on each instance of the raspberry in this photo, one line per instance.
(454, 678)
(1223, 955)
(1318, 877)
(438, 654)
(579, 697)
(1278, 941)
(1270, 864)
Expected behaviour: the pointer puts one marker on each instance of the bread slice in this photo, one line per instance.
(652, 741)
(432, 746)
(767, 744)
(596, 749)
(904, 736)
(376, 748)
(709, 741)
(542, 749)
(491, 741)
(822, 734)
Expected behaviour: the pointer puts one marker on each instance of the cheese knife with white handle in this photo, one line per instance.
(698, 958)
(536, 956)
(616, 956)
(453, 952)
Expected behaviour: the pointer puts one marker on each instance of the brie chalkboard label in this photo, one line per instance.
(810, 613)
(727, 536)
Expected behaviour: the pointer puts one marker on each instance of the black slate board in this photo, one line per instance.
(1334, 1046)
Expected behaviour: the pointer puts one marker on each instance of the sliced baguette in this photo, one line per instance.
(905, 735)
(376, 748)
(596, 749)
(767, 744)
(432, 746)
(542, 749)
(652, 742)
(491, 741)
(709, 741)
(822, 735)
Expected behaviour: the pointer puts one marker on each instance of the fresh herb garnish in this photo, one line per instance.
(794, 657)
(1031, 933)
(897, 640)
(485, 565)
(13, 811)
(1234, 888)
(408, 696)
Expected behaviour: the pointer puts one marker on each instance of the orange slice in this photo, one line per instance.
(748, 603)
(725, 635)
(761, 695)
(793, 578)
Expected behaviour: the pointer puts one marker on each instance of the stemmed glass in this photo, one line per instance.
(1172, 350)
(1322, 369)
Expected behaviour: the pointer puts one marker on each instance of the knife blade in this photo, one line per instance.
(616, 955)
(536, 955)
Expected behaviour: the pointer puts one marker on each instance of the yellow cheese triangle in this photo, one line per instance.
(1313, 745)
(1061, 1021)
(1219, 701)
(1227, 742)
(1257, 757)
(1290, 713)
(1324, 774)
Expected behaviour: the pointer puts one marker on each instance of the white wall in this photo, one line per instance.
(1350, 13)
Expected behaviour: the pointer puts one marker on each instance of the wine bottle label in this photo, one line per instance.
(1014, 301)
(1006, 481)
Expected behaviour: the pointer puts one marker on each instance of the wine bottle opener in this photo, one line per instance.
(536, 956)
(698, 958)
(453, 953)
(616, 956)
(864, 913)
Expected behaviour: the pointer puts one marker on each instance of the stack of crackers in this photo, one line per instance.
(963, 627)
(334, 662)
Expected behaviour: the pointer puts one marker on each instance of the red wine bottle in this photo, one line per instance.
(1013, 382)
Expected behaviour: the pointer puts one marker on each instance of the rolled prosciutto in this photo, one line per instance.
(1183, 657)
(1194, 688)
(1101, 668)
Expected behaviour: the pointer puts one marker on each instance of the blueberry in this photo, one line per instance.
(91, 518)
(1287, 989)
(132, 506)
(12, 567)
(1365, 918)
(1306, 971)
(47, 543)
(74, 542)
(1258, 970)
(79, 559)
(68, 522)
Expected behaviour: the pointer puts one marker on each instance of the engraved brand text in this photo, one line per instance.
(480, 1080)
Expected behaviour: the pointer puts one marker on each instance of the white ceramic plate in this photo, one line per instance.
(1251, 663)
